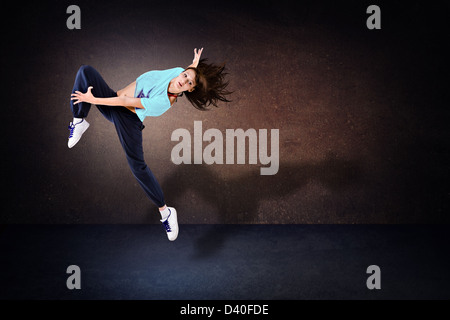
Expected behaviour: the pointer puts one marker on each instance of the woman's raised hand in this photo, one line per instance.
(197, 55)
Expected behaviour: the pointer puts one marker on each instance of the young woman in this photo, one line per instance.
(152, 94)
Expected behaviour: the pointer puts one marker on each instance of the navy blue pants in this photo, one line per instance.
(128, 126)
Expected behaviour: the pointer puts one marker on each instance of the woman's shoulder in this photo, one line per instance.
(162, 71)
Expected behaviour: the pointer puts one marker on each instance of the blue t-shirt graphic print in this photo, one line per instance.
(142, 95)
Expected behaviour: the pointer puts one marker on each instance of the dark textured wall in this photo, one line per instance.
(362, 113)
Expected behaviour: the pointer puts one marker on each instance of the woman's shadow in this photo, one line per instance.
(237, 199)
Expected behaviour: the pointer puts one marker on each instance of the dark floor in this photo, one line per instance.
(226, 262)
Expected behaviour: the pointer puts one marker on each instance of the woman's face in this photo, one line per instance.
(184, 82)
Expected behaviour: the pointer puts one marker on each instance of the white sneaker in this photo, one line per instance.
(76, 131)
(171, 224)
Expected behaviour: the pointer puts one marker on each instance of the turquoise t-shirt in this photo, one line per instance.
(151, 87)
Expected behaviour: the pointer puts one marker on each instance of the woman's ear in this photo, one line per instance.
(191, 89)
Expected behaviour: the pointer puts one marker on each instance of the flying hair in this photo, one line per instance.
(211, 85)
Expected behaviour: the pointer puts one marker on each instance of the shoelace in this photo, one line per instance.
(167, 225)
(71, 128)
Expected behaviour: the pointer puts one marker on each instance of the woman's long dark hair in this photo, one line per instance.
(211, 85)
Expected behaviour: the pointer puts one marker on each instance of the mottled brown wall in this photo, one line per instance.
(361, 113)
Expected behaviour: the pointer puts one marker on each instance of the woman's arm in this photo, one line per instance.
(197, 55)
(122, 100)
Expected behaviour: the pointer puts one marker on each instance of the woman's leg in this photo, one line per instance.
(129, 129)
(128, 126)
(87, 76)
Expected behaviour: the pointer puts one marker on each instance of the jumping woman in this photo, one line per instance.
(152, 94)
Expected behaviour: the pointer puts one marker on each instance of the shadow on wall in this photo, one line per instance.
(237, 199)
